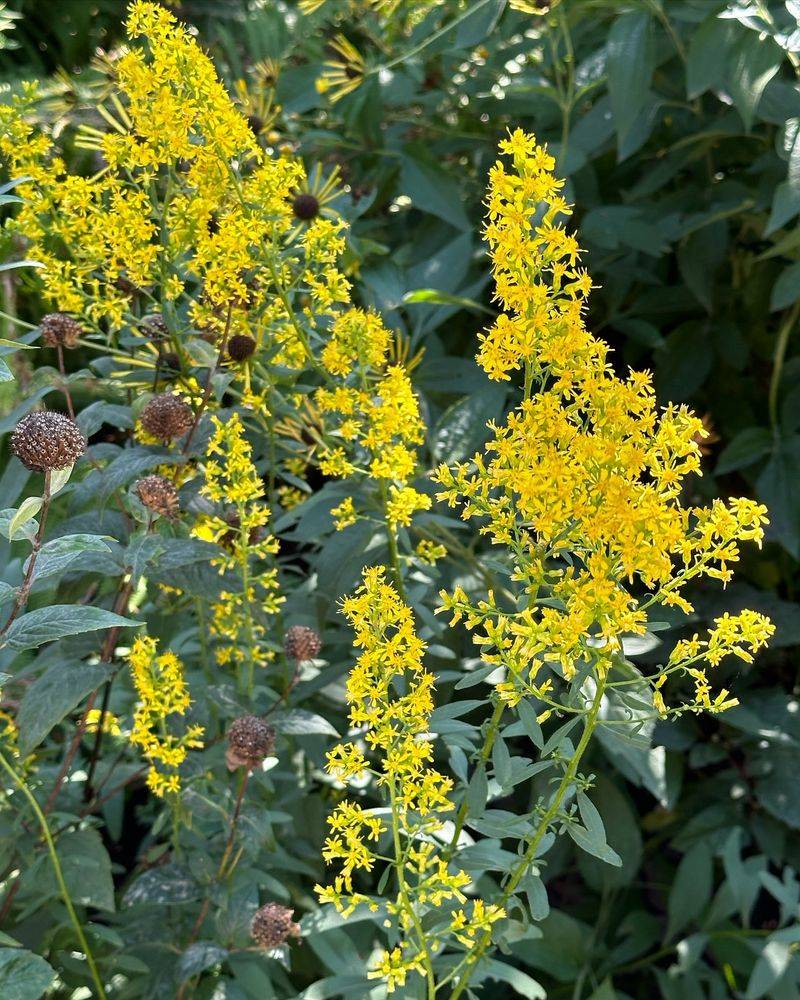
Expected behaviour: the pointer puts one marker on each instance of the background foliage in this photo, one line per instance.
(677, 125)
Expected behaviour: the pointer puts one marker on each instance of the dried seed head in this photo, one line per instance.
(241, 347)
(171, 361)
(154, 327)
(305, 207)
(159, 495)
(44, 441)
(301, 643)
(58, 328)
(250, 740)
(273, 925)
(166, 417)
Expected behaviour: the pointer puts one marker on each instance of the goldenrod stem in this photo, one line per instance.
(62, 885)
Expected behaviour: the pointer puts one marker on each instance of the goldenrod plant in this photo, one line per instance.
(318, 682)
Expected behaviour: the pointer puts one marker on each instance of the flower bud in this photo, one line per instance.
(166, 417)
(44, 441)
(250, 740)
(273, 925)
(301, 643)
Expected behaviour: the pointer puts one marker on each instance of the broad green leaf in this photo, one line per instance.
(197, 958)
(57, 621)
(51, 697)
(772, 963)
(755, 60)
(23, 975)
(778, 486)
(709, 50)
(165, 886)
(27, 510)
(462, 428)
(299, 722)
(691, 888)
(58, 554)
(786, 289)
(6, 375)
(746, 448)
(59, 479)
(478, 24)
(630, 67)
(430, 188)
(87, 869)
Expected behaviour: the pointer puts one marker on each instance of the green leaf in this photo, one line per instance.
(299, 722)
(435, 297)
(462, 428)
(23, 975)
(87, 869)
(592, 836)
(6, 375)
(57, 621)
(530, 723)
(431, 188)
(778, 487)
(709, 48)
(630, 68)
(746, 448)
(522, 984)
(26, 511)
(772, 963)
(478, 23)
(197, 958)
(11, 265)
(691, 888)
(53, 696)
(755, 61)
(786, 289)
(59, 553)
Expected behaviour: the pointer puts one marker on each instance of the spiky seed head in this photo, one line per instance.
(154, 327)
(241, 347)
(250, 740)
(58, 328)
(170, 361)
(44, 441)
(167, 416)
(301, 643)
(159, 495)
(305, 207)
(273, 925)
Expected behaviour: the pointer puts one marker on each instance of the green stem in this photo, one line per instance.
(394, 555)
(408, 906)
(483, 757)
(777, 367)
(535, 840)
(62, 885)
(469, 12)
(244, 565)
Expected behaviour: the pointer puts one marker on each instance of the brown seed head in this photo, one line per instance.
(166, 417)
(301, 643)
(154, 327)
(58, 328)
(250, 740)
(305, 207)
(241, 347)
(44, 441)
(159, 495)
(273, 925)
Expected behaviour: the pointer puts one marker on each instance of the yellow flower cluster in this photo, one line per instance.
(390, 694)
(187, 208)
(239, 531)
(160, 684)
(587, 466)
